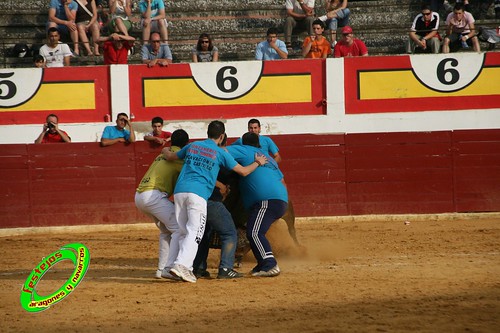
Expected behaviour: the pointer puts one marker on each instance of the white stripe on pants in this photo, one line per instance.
(191, 214)
(156, 204)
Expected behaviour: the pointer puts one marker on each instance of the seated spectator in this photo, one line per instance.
(205, 50)
(316, 46)
(158, 137)
(51, 132)
(56, 54)
(300, 16)
(460, 29)
(337, 15)
(497, 9)
(62, 14)
(156, 52)
(118, 133)
(120, 11)
(86, 21)
(116, 48)
(153, 19)
(39, 61)
(424, 34)
(349, 46)
(272, 48)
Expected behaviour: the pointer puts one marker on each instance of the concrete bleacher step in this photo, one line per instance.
(235, 26)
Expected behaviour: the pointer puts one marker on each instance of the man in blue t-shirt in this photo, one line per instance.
(265, 197)
(118, 133)
(266, 143)
(202, 162)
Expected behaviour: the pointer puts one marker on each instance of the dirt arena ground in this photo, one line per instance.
(354, 275)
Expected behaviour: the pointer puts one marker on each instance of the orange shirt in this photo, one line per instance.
(319, 48)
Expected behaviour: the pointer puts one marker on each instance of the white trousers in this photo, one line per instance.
(156, 205)
(191, 214)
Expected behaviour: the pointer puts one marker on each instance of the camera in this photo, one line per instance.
(50, 125)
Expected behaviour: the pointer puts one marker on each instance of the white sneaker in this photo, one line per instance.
(158, 273)
(275, 271)
(166, 275)
(183, 272)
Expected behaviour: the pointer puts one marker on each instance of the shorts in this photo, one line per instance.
(154, 25)
(112, 23)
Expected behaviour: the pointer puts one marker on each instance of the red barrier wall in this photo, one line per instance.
(379, 173)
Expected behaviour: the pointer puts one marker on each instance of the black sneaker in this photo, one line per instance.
(228, 273)
(202, 274)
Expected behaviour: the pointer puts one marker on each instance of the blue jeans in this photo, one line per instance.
(218, 219)
(342, 19)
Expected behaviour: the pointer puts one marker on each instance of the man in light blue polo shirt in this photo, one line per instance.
(265, 197)
(272, 48)
(118, 133)
(266, 143)
(156, 52)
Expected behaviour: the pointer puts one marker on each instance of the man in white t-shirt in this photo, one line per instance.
(299, 15)
(56, 54)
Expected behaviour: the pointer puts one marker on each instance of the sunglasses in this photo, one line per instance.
(427, 14)
(155, 41)
(205, 42)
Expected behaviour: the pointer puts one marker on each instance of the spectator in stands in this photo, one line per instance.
(497, 9)
(62, 14)
(156, 52)
(460, 29)
(116, 48)
(300, 16)
(153, 19)
(337, 15)
(39, 61)
(56, 54)
(158, 137)
(86, 21)
(51, 132)
(118, 133)
(120, 11)
(349, 46)
(316, 46)
(272, 48)
(424, 34)
(205, 51)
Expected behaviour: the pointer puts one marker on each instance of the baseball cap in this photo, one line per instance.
(347, 30)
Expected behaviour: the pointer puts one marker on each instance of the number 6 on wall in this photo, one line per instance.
(227, 80)
(447, 72)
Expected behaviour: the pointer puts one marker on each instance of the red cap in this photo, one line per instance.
(347, 30)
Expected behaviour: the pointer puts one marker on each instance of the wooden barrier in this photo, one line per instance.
(345, 174)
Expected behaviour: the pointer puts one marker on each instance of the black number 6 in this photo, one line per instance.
(11, 87)
(441, 71)
(221, 80)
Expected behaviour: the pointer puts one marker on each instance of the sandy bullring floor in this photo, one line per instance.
(373, 275)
